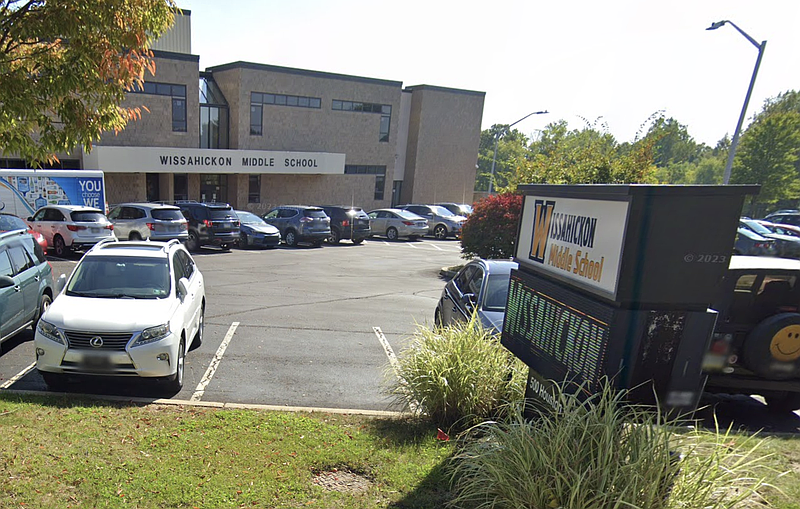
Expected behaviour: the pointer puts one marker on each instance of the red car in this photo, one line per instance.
(10, 222)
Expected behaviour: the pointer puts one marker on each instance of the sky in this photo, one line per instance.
(610, 64)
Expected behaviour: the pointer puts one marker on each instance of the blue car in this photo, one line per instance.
(751, 243)
(255, 232)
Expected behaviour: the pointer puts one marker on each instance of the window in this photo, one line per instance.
(297, 101)
(178, 94)
(378, 171)
(5, 265)
(181, 186)
(20, 258)
(384, 109)
(254, 196)
(255, 120)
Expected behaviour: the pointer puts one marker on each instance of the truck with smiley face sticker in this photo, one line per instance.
(755, 348)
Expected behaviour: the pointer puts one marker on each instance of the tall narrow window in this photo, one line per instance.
(254, 196)
(255, 119)
(178, 114)
(380, 183)
(181, 186)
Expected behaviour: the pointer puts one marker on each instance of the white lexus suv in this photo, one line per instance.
(129, 309)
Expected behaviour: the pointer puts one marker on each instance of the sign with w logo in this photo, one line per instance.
(542, 217)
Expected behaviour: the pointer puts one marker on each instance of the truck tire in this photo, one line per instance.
(772, 349)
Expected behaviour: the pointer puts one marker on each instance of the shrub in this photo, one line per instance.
(457, 375)
(491, 229)
(601, 455)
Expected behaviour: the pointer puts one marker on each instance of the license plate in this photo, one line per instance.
(95, 362)
(95, 230)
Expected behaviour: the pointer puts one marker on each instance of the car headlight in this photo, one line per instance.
(152, 334)
(51, 332)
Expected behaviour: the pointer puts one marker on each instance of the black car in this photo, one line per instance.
(347, 223)
(214, 224)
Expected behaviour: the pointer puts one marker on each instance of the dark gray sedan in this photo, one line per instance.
(481, 286)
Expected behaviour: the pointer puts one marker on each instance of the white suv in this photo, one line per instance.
(129, 309)
(70, 227)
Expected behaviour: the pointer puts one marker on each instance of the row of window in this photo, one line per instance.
(285, 100)
(178, 94)
(378, 171)
(384, 109)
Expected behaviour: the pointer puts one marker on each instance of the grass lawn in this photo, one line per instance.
(59, 452)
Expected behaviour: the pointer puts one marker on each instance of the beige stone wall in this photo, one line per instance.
(154, 128)
(444, 133)
(125, 187)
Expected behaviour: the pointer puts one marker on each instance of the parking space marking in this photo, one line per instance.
(437, 247)
(393, 361)
(11, 381)
(212, 368)
(411, 245)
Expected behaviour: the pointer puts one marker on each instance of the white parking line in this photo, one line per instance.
(11, 381)
(393, 361)
(437, 247)
(411, 245)
(212, 368)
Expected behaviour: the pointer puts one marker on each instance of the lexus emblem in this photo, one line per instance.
(96, 342)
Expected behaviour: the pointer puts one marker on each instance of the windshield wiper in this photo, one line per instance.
(81, 294)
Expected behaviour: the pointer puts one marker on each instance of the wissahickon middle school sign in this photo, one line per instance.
(196, 160)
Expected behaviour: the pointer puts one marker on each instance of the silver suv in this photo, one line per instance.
(139, 221)
(441, 222)
(300, 223)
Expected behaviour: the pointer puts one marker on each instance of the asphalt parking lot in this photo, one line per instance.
(298, 326)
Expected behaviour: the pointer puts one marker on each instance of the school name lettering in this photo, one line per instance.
(196, 161)
(578, 230)
(269, 162)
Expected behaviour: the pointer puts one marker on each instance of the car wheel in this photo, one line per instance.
(134, 236)
(391, 233)
(335, 237)
(201, 325)
(175, 383)
(440, 232)
(43, 305)
(60, 247)
(788, 402)
(291, 238)
(54, 381)
(193, 242)
(772, 349)
(357, 241)
(243, 242)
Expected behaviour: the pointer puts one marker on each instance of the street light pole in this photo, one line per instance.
(735, 141)
(497, 137)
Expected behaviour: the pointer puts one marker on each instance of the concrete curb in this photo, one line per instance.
(220, 405)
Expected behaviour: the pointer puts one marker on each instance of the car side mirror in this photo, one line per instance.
(61, 282)
(183, 288)
(6, 281)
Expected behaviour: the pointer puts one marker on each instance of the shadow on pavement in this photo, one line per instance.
(745, 414)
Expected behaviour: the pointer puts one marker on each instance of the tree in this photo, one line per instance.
(767, 156)
(491, 229)
(65, 66)
(511, 148)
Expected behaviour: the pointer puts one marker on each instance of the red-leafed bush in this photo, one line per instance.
(491, 229)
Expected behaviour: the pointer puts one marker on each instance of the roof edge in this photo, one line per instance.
(302, 72)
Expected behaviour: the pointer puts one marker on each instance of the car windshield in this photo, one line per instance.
(405, 214)
(167, 214)
(496, 292)
(88, 216)
(441, 211)
(465, 209)
(8, 223)
(118, 277)
(756, 227)
(249, 218)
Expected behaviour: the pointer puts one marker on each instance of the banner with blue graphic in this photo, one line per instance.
(22, 192)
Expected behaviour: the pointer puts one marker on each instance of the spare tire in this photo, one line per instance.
(772, 349)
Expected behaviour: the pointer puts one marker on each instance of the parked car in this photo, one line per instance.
(154, 221)
(750, 243)
(26, 282)
(481, 287)
(69, 228)
(347, 223)
(10, 222)
(787, 218)
(755, 348)
(457, 209)
(441, 222)
(396, 223)
(787, 246)
(129, 309)
(214, 224)
(300, 223)
(255, 232)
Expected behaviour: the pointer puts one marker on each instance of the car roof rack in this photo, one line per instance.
(13, 233)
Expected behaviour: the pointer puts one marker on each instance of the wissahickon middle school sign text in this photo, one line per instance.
(195, 160)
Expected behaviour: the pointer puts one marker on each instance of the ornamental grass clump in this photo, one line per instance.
(599, 455)
(457, 375)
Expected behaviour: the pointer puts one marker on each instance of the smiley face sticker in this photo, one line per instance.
(785, 344)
